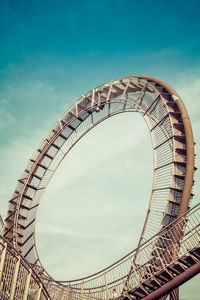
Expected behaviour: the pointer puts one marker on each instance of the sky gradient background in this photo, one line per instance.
(52, 52)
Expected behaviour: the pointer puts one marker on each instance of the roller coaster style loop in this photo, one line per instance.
(166, 221)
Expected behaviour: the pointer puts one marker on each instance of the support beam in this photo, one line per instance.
(39, 293)
(174, 295)
(3, 255)
(174, 283)
(28, 279)
(14, 282)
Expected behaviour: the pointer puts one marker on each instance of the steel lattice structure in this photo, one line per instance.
(173, 153)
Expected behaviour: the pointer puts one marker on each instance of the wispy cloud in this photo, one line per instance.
(52, 230)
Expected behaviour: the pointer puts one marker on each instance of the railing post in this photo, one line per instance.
(89, 295)
(102, 294)
(134, 270)
(62, 293)
(38, 293)
(67, 294)
(174, 295)
(48, 287)
(82, 284)
(14, 281)
(28, 279)
(3, 255)
(107, 295)
(125, 283)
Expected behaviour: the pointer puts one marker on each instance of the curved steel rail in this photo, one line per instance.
(173, 148)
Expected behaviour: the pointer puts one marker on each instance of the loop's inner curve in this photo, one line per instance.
(98, 207)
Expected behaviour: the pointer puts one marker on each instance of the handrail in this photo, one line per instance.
(6, 246)
(153, 257)
(136, 249)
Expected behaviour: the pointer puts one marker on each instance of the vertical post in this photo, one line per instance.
(108, 95)
(82, 284)
(135, 271)
(76, 109)
(67, 294)
(3, 255)
(174, 295)
(164, 297)
(48, 287)
(28, 279)
(60, 124)
(93, 98)
(88, 297)
(99, 99)
(102, 293)
(107, 295)
(62, 292)
(124, 92)
(38, 293)
(14, 281)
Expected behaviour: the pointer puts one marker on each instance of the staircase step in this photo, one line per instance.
(138, 293)
(180, 138)
(155, 283)
(149, 286)
(172, 270)
(182, 177)
(187, 260)
(165, 275)
(196, 252)
(161, 278)
(181, 151)
(167, 96)
(176, 115)
(172, 104)
(179, 268)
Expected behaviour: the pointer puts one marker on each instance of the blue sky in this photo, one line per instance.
(52, 52)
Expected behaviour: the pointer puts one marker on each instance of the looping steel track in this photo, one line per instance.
(173, 152)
